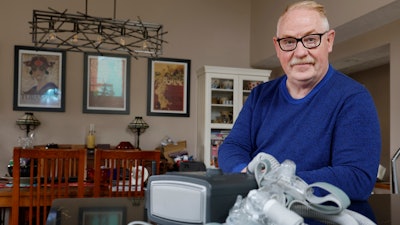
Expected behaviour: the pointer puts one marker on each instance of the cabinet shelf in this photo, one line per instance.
(222, 92)
(222, 105)
(221, 126)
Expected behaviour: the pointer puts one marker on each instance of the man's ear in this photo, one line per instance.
(276, 45)
(330, 38)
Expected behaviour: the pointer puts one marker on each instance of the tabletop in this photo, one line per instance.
(6, 194)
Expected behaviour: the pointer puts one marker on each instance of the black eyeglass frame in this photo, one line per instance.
(301, 40)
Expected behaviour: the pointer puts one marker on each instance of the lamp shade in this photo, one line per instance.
(138, 125)
(28, 119)
(28, 122)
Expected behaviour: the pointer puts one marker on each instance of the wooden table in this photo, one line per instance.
(6, 195)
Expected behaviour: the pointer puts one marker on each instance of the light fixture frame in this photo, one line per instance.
(81, 32)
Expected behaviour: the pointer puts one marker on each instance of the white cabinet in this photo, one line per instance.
(221, 94)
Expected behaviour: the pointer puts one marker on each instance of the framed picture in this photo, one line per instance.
(102, 215)
(168, 87)
(106, 83)
(39, 79)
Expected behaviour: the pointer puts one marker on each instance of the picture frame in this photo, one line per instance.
(39, 79)
(168, 91)
(102, 215)
(106, 85)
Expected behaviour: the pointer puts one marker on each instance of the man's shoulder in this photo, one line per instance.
(343, 81)
(344, 88)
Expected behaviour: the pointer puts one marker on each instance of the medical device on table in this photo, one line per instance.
(270, 195)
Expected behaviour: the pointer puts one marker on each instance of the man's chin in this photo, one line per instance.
(301, 76)
(302, 68)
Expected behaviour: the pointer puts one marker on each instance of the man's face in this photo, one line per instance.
(304, 65)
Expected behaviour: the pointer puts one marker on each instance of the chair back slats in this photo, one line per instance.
(123, 173)
(51, 175)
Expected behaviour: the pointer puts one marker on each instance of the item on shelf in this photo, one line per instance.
(214, 100)
(26, 142)
(227, 84)
(215, 83)
(91, 138)
(125, 145)
(226, 113)
(166, 141)
(51, 145)
(103, 146)
(24, 169)
(226, 116)
(223, 100)
(171, 150)
(253, 84)
(218, 119)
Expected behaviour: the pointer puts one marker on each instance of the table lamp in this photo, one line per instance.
(139, 126)
(28, 122)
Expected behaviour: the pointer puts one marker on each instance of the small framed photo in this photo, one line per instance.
(102, 215)
(106, 83)
(168, 87)
(39, 79)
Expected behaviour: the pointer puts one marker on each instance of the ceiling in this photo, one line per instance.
(363, 60)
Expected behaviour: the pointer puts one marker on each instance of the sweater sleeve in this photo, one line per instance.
(235, 152)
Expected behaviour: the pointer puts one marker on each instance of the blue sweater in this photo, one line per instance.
(332, 134)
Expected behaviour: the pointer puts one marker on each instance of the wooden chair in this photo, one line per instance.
(123, 173)
(53, 173)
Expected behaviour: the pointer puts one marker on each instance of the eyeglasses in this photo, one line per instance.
(309, 41)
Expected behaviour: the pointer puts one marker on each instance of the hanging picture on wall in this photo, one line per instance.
(106, 83)
(168, 87)
(39, 79)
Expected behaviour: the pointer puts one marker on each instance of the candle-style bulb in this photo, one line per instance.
(91, 138)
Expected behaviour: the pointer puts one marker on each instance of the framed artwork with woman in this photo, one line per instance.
(39, 79)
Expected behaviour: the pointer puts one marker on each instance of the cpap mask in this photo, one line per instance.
(284, 199)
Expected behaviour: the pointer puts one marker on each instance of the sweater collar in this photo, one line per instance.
(315, 90)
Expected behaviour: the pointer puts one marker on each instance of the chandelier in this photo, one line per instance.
(81, 32)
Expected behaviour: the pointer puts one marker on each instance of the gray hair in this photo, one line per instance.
(308, 4)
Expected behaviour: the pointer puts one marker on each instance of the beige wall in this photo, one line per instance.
(208, 32)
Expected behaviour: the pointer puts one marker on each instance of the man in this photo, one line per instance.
(313, 115)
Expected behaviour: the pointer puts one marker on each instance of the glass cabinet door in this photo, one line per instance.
(222, 99)
(216, 138)
(222, 92)
(247, 86)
